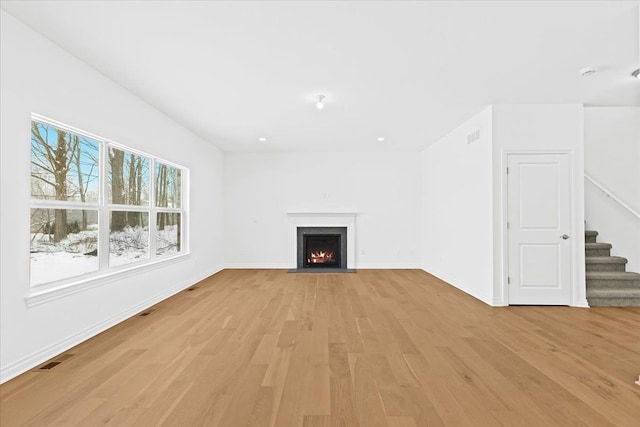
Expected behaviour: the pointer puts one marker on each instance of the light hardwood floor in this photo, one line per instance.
(395, 348)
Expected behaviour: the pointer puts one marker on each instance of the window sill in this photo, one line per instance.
(40, 296)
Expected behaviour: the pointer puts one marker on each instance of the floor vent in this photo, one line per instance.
(50, 365)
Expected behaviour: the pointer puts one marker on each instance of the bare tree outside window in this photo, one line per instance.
(128, 184)
(168, 186)
(64, 171)
(168, 196)
(64, 167)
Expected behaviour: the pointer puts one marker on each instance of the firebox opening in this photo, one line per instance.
(322, 251)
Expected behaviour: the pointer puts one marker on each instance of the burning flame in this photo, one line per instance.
(320, 257)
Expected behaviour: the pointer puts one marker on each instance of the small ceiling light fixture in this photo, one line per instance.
(262, 139)
(320, 103)
(381, 139)
(636, 73)
(588, 71)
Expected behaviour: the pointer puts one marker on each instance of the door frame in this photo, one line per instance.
(577, 267)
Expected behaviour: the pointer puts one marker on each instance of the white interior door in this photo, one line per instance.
(539, 228)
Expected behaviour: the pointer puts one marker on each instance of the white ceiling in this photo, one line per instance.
(409, 71)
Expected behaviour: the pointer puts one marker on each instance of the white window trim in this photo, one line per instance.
(44, 292)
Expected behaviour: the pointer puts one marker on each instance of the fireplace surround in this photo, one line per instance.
(322, 224)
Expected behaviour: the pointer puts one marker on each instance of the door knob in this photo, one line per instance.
(564, 236)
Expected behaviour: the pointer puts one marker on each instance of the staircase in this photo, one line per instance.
(608, 284)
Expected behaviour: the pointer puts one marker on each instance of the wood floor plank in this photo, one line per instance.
(367, 399)
(316, 421)
(276, 376)
(343, 412)
(246, 396)
(317, 395)
(396, 348)
(291, 408)
(78, 412)
(265, 349)
(260, 415)
(401, 422)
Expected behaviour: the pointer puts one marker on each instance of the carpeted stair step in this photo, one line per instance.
(614, 297)
(608, 284)
(597, 249)
(605, 263)
(597, 280)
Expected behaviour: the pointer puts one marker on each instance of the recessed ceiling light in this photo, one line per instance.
(381, 139)
(636, 73)
(262, 139)
(320, 103)
(588, 71)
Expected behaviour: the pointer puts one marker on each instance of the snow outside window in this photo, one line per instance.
(97, 206)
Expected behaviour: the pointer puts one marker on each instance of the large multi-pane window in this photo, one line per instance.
(97, 205)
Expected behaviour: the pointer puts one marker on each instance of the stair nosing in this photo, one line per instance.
(613, 293)
(598, 245)
(605, 260)
(613, 275)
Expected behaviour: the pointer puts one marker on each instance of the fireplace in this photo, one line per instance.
(322, 247)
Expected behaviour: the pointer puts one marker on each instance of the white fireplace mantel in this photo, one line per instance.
(323, 219)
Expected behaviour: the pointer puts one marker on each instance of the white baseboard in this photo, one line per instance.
(18, 367)
(387, 266)
(488, 301)
(257, 266)
(361, 266)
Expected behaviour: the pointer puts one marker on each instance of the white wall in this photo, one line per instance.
(612, 158)
(37, 76)
(463, 210)
(457, 238)
(539, 128)
(382, 187)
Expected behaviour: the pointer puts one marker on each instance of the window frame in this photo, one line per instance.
(42, 292)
